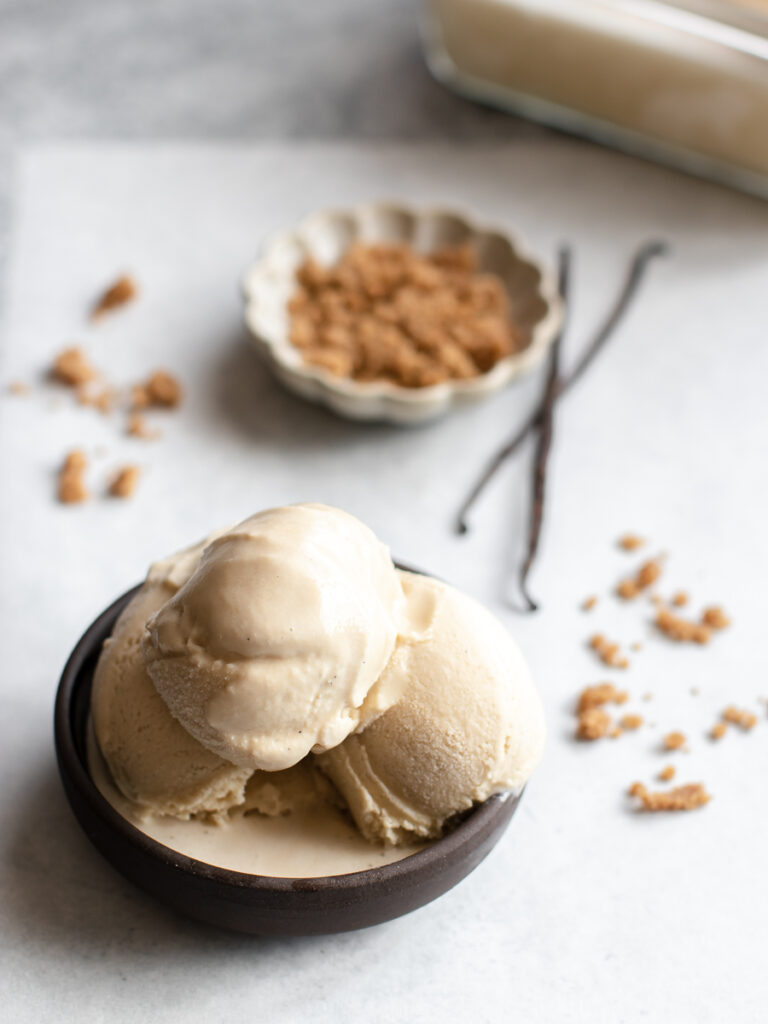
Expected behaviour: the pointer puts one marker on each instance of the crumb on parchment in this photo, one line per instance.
(18, 388)
(630, 542)
(124, 482)
(681, 630)
(744, 720)
(718, 730)
(161, 389)
(679, 599)
(715, 618)
(73, 367)
(674, 741)
(599, 694)
(609, 653)
(681, 798)
(120, 292)
(631, 722)
(593, 724)
(645, 576)
(667, 773)
(71, 482)
(588, 603)
(100, 398)
(137, 426)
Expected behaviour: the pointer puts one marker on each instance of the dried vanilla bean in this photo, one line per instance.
(629, 289)
(544, 427)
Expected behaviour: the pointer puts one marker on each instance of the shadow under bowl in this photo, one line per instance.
(255, 904)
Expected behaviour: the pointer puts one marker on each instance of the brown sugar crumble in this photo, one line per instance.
(667, 773)
(681, 630)
(679, 599)
(122, 291)
(681, 798)
(73, 368)
(388, 313)
(588, 603)
(124, 482)
(745, 720)
(715, 618)
(138, 427)
(609, 653)
(717, 731)
(630, 542)
(674, 741)
(161, 389)
(601, 693)
(631, 722)
(101, 399)
(71, 484)
(646, 575)
(593, 724)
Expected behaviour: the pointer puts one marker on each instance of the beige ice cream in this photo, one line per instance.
(276, 644)
(289, 634)
(152, 759)
(469, 724)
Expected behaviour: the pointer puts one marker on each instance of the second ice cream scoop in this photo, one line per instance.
(469, 724)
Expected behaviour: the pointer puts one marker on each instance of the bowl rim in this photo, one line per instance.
(288, 358)
(73, 762)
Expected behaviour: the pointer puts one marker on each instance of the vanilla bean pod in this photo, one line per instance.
(544, 427)
(629, 289)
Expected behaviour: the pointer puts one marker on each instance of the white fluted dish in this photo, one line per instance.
(270, 282)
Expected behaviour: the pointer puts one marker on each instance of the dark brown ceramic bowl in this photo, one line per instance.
(257, 904)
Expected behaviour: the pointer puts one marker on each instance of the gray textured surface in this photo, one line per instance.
(231, 69)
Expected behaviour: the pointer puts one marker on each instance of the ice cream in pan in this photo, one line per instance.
(282, 700)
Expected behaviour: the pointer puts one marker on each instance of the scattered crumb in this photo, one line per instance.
(102, 399)
(647, 574)
(118, 294)
(631, 722)
(615, 732)
(680, 599)
(124, 482)
(657, 599)
(630, 542)
(667, 773)
(682, 798)
(601, 693)
(588, 603)
(593, 724)
(161, 389)
(608, 652)
(647, 696)
(71, 485)
(674, 741)
(715, 618)
(73, 368)
(137, 427)
(745, 720)
(718, 730)
(386, 312)
(18, 388)
(681, 630)
(636, 647)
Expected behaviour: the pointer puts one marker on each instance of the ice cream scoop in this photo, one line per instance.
(276, 644)
(152, 759)
(469, 724)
